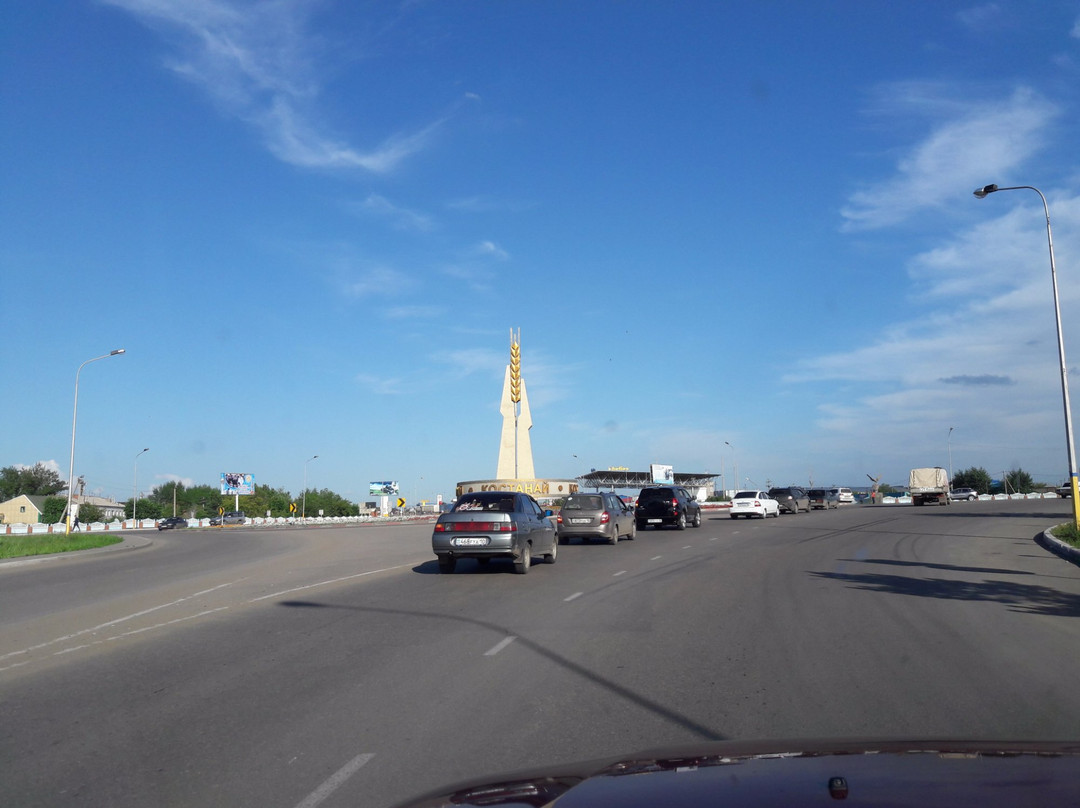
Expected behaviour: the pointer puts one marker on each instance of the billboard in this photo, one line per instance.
(383, 489)
(234, 483)
(662, 475)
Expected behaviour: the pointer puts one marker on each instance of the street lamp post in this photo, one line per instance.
(734, 462)
(135, 488)
(303, 506)
(982, 193)
(74, 417)
(951, 428)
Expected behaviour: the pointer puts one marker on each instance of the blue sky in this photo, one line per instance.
(312, 225)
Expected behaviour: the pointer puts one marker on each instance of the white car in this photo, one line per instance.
(844, 495)
(754, 503)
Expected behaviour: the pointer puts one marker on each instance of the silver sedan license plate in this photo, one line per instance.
(580, 521)
(470, 541)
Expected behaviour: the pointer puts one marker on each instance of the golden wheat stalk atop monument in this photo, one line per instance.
(515, 366)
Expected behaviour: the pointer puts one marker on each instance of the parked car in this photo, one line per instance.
(230, 518)
(171, 522)
(601, 515)
(494, 524)
(673, 505)
(823, 498)
(844, 495)
(791, 499)
(754, 503)
(967, 494)
(1065, 490)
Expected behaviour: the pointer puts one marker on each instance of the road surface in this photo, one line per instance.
(337, 667)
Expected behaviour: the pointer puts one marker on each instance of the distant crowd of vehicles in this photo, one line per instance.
(502, 524)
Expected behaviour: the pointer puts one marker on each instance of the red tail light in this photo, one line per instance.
(559, 520)
(605, 518)
(675, 504)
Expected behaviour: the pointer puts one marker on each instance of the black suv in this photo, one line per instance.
(667, 505)
(792, 499)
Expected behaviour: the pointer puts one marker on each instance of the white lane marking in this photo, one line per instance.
(686, 547)
(118, 620)
(617, 574)
(715, 538)
(335, 781)
(573, 597)
(327, 583)
(499, 646)
(655, 558)
(168, 623)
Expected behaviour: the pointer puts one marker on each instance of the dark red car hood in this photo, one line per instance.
(794, 773)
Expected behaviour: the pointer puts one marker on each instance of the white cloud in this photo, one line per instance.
(412, 312)
(402, 218)
(492, 250)
(257, 63)
(379, 281)
(380, 386)
(187, 482)
(967, 142)
(982, 356)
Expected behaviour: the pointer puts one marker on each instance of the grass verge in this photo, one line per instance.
(1067, 533)
(44, 543)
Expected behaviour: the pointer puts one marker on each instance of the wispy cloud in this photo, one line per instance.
(187, 482)
(257, 62)
(378, 281)
(490, 249)
(412, 312)
(987, 379)
(967, 141)
(390, 386)
(980, 17)
(401, 218)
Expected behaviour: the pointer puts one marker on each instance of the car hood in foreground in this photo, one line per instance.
(759, 773)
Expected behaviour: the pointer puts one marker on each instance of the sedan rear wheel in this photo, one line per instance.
(549, 558)
(633, 531)
(614, 537)
(523, 561)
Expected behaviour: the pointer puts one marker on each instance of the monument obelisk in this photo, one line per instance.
(515, 449)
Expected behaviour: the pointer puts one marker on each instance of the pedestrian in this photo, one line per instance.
(75, 523)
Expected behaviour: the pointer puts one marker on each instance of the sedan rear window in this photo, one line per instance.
(747, 495)
(480, 502)
(583, 504)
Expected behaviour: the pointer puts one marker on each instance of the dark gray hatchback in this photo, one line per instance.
(792, 499)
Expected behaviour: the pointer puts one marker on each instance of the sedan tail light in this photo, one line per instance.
(476, 527)
(605, 517)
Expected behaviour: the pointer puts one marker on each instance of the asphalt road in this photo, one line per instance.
(337, 667)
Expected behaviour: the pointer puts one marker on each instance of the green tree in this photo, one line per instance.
(89, 513)
(1020, 481)
(36, 480)
(977, 478)
(148, 508)
(330, 503)
(52, 513)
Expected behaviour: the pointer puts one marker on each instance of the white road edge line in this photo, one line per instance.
(118, 620)
(327, 583)
(617, 574)
(499, 646)
(687, 547)
(574, 596)
(335, 781)
(655, 558)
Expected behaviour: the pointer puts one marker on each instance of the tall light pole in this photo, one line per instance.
(735, 463)
(74, 417)
(951, 428)
(982, 193)
(303, 507)
(135, 486)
